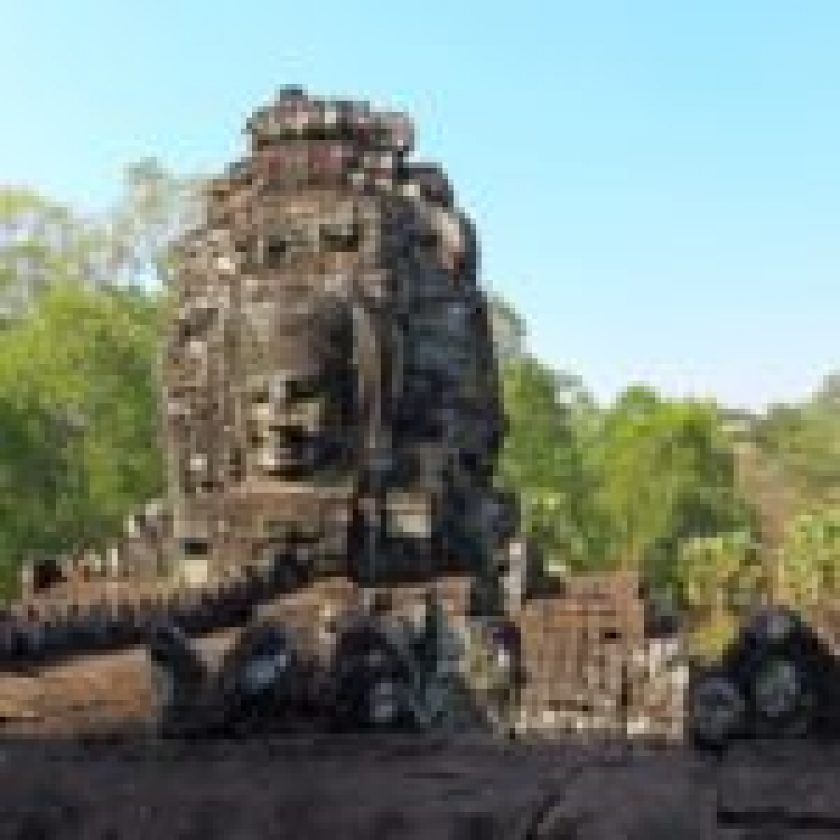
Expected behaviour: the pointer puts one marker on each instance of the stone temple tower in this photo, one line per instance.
(331, 394)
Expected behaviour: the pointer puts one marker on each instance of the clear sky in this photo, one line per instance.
(656, 184)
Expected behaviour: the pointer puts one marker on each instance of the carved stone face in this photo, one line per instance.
(347, 325)
(296, 332)
(296, 406)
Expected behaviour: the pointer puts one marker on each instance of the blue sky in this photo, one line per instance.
(656, 184)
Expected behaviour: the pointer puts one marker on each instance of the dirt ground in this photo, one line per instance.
(57, 783)
(404, 787)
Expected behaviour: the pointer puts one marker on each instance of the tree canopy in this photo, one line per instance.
(79, 414)
(81, 304)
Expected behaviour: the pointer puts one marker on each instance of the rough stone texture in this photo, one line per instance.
(108, 694)
(587, 666)
(107, 691)
(388, 787)
(331, 393)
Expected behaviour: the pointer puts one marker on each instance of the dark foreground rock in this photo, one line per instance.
(390, 786)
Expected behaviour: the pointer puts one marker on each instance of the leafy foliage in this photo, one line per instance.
(544, 461)
(809, 567)
(80, 425)
(81, 319)
(43, 242)
(667, 475)
(717, 508)
(621, 486)
(804, 442)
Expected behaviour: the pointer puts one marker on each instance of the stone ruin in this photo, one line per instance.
(331, 392)
(332, 420)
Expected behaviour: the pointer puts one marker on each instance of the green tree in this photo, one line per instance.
(718, 577)
(810, 558)
(32, 470)
(80, 418)
(667, 474)
(80, 306)
(804, 442)
(43, 242)
(543, 460)
(718, 573)
(154, 208)
(40, 241)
